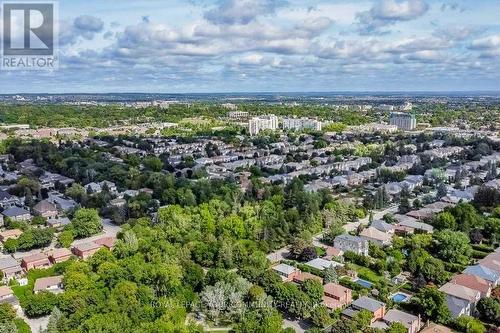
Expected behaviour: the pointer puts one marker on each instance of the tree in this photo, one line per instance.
(432, 304)
(320, 316)
(331, 275)
(489, 310)
(40, 304)
(86, 223)
(313, 289)
(76, 192)
(65, 238)
(445, 220)
(453, 246)
(468, 324)
(263, 320)
(466, 217)
(54, 318)
(397, 327)
(442, 191)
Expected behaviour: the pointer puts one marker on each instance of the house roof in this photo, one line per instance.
(456, 305)
(45, 206)
(35, 257)
(87, 246)
(59, 253)
(333, 251)
(491, 262)
(321, 264)
(11, 233)
(15, 211)
(375, 234)
(382, 226)
(350, 238)
(5, 291)
(302, 276)
(285, 269)
(44, 283)
(483, 272)
(368, 303)
(5, 196)
(335, 289)
(472, 282)
(108, 242)
(435, 328)
(8, 262)
(404, 318)
(459, 291)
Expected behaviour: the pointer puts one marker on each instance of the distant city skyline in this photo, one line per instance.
(235, 46)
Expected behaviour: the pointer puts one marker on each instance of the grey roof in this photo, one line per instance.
(404, 318)
(349, 238)
(285, 269)
(44, 206)
(382, 225)
(483, 272)
(368, 303)
(15, 211)
(455, 305)
(417, 225)
(8, 262)
(5, 195)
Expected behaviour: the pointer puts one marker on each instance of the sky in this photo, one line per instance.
(191, 46)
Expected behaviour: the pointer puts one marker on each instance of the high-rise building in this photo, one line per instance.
(257, 124)
(301, 124)
(404, 121)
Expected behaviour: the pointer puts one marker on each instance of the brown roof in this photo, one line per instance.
(472, 282)
(35, 257)
(11, 233)
(44, 283)
(435, 328)
(5, 291)
(492, 263)
(333, 252)
(59, 253)
(332, 303)
(87, 246)
(44, 206)
(307, 276)
(335, 289)
(108, 242)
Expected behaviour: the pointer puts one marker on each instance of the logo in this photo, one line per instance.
(29, 35)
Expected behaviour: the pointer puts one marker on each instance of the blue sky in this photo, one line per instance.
(170, 46)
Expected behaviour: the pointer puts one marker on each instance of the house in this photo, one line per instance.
(6, 295)
(435, 328)
(39, 260)
(351, 243)
(53, 284)
(303, 276)
(10, 234)
(45, 209)
(473, 282)
(10, 268)
(485, 273)
(118, 202)
(59, 255)
(8, 200)
(85, 250)
(383, 226)
(410, 226)
(58, 223)
(376, 308)
(411, 322)
(333, 252)
(336, 296)
(62, 203)
(107, 242)
(286, 272)
(321, 264)
(460, 300)
(17, 214)
(375, 236)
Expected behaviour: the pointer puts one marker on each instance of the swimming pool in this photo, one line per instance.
(364, 283)
(400, 297)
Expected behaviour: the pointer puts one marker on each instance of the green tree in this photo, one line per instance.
(313, 289)
(86, 223)
(397, 328)
(445, 220)
(453, 246)
(489, 310)
(468, 324)
(65, 238)
(320, 316)
(432, 304)
(264, 320)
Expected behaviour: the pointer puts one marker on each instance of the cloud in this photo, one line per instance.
(241, 11)
(488, 46)
(84, 26)
(388, 12)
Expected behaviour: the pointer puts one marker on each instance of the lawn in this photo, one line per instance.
(366, 273)
(22, 292)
